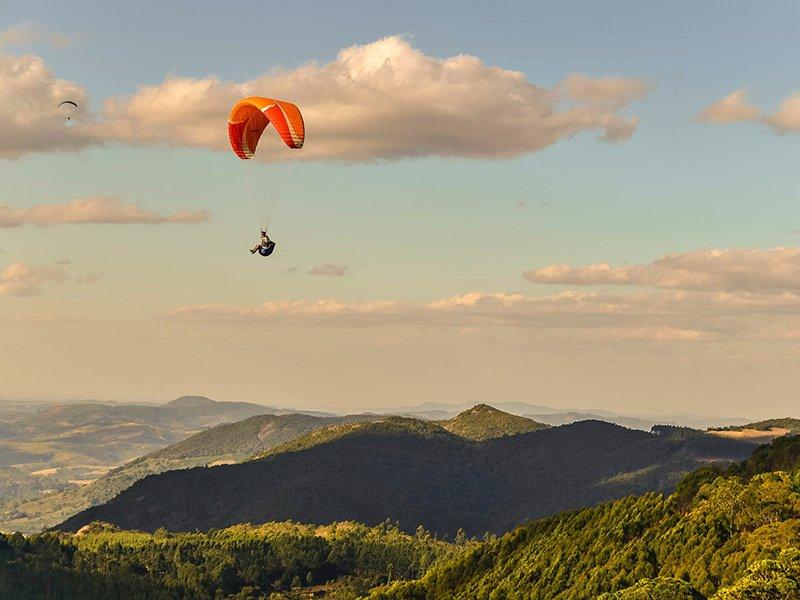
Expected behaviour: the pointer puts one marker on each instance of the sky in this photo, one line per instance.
(575, 204)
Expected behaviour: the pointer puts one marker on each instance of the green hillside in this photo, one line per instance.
(735, 536)
(417, 473)
(260, 435)
(382, 425)
(228, 443)
(341, 560)
(482, 422)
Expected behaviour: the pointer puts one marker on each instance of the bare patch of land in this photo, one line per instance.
(751, 435)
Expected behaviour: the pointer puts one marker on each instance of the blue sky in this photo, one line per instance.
(410, 230)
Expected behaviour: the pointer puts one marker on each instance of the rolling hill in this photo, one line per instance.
(689, 546)
(727, 534)
(417, 473)
(227, 443)
(483, 422)
(60, 446)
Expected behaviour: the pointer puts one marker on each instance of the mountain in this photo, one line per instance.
(564, 418)
(690, 546)
(416, 472)
(484, 422)
(227, 443)
(437, 411)
(51, 447)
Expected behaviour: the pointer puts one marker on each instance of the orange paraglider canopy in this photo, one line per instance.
(250, 116)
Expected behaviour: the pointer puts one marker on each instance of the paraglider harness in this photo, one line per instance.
(265, 247)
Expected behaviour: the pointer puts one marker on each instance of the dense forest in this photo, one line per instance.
(342, 560)
(418, 473)
(727, 533)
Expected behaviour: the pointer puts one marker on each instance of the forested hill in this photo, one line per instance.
(729, 535)
(417, 473)
(231, 442)
(483, 422)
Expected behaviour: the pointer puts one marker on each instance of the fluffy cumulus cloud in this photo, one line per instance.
(30, 120)
(21, 280)
(382, 100)
(330, 270)
(387, 100)
(745, 269)
(734, 107)
(99, 209)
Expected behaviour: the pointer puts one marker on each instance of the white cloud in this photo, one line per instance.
(734, 107)
(745, 269)
(287, 309)
(330, 270)
(730, 109)
(387, 100)
(98, 209)
(614, 92)
(382, 100)
(30, 33)
(708, 296)
(21, 280)
(30, 120)
(661, 316)
(787, 117)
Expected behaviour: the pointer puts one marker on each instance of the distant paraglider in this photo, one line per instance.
(68, 108)
(247, 130)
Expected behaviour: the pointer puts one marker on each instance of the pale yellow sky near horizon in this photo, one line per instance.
(341, 367)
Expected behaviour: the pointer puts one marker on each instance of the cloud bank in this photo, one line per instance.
(95, 210)
(382, 100)
(746, 269)
(721, 296)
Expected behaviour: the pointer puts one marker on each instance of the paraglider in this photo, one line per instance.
(248, 129)
(265, 247)
(68, 108)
